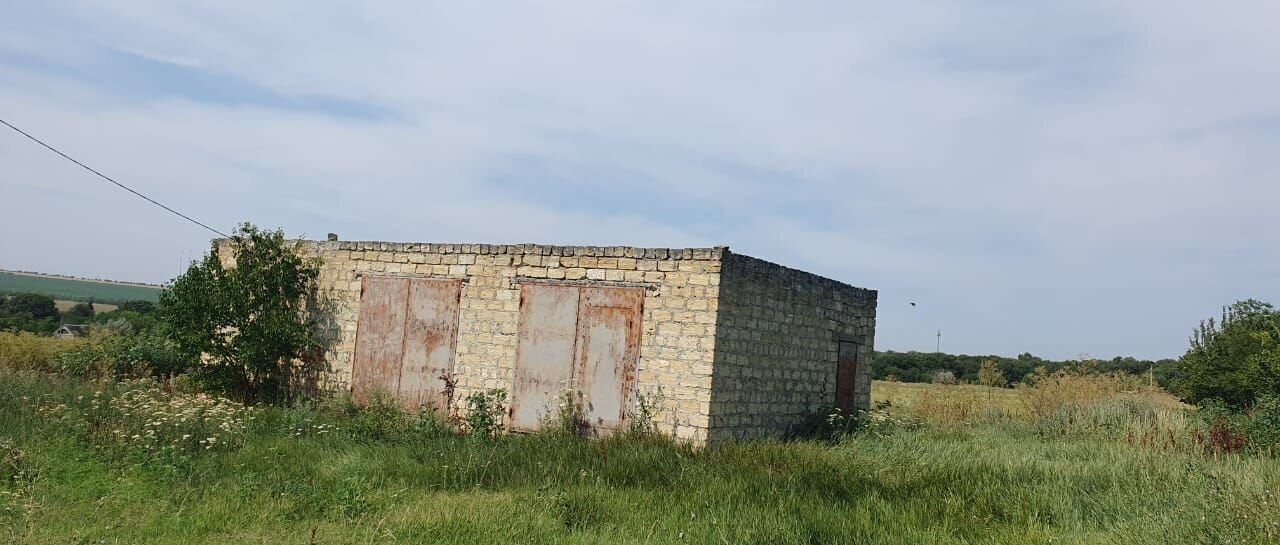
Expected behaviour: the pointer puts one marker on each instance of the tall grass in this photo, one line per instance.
(353, 476)
(30, 352)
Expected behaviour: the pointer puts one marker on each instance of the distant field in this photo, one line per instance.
(907, 395)
(72, 289)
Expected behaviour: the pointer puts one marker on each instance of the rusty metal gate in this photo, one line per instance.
(847, 376)
(579, 339)
(405, 339)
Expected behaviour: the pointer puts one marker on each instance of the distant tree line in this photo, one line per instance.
(35, 313)
(939, 367)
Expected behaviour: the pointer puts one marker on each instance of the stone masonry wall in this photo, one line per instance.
(777, 339)
(680, 305)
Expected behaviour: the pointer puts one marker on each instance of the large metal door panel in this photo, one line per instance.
(608, 348)
(546, 335)
(379, 337)
(430, 338)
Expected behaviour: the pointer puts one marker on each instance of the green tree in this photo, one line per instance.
(1236, 360)
(80, 313)
(140, 307)
(33, 305)
(247, 321)
(28, 312)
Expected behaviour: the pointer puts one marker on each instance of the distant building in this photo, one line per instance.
(68, 331)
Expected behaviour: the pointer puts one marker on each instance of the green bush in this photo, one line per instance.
(484, 413)
(1236, 360)
(122, 356)
(28, 312)
(248, 321)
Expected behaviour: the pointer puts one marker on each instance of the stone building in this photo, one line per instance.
(719, 346)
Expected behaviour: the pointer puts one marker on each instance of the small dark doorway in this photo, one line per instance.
(847, 366)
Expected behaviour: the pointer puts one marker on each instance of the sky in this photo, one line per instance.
(1060, 178)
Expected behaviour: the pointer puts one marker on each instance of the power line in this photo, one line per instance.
(108, 178)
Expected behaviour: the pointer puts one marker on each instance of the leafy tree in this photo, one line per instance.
(33, 305)
(140, 307)
(28, 312)
(1236, 360)
(991, 375)
(80, 313)
(920, 366)
(247, 321)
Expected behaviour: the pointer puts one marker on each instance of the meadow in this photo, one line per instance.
(74, 289)
(98, 461)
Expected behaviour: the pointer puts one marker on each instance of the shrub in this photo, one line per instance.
(121, 356)
(1262, 426)
(248, 322)
(942, 376)
(80, 313)
(1235, 360)
(1225, 429)
(484, 413)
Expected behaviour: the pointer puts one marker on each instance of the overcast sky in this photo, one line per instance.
(1063, 178)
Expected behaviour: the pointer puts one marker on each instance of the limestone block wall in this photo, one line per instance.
(682, 291)
(777, 341)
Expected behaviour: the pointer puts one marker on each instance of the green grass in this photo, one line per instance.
(371, 483)
(76, 290)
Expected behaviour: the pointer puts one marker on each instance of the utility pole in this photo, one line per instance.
(938, 348)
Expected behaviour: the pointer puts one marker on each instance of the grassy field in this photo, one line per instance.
(72, 289)
(84, 462)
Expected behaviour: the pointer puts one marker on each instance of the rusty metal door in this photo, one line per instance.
(379, 338)
(430, 336)
(847, 376)
(546, 335)
(607, 352)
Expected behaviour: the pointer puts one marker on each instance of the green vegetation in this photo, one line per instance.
(85, 462)
(930, 366)
(250, 321)
(39, 314)
(1235, 361)
(73, 289)
(28, 312)
(168, 424)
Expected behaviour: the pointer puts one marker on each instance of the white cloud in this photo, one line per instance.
(1070, 178)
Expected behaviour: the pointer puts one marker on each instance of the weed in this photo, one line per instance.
(641, 422)
(484, 413)
(568, 419)
(18, 503)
